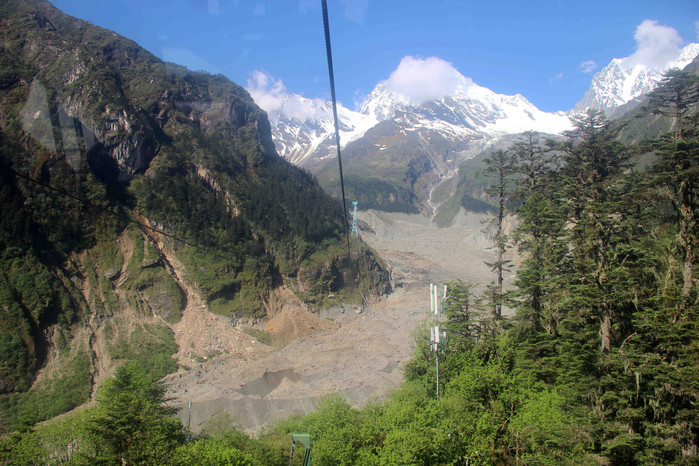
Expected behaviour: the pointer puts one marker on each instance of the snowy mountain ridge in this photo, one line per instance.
(623, 80)
(303, 128)
(468, 111)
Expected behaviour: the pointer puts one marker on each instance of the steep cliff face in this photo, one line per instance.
(131, 189)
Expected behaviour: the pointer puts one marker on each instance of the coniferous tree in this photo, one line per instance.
(531, 161)
(539, 237)
(676, 96)
(591, 185)
(677, 172)
(660, 356)
(500, 169)
(461, 325)
(131, 424)
(677, 178)
(540, 226)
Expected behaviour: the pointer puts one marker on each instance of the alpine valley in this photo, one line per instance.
(398, 149)
(138, 198)
(172, 244)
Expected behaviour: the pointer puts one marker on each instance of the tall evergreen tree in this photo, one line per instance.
(539, 237)
(540, 225)
(499, 169)
(532, 161)
(461, 324)
(592, 187)
(677, 172)
(131, 424)
(676, 96)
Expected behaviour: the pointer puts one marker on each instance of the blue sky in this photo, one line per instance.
(534, 48)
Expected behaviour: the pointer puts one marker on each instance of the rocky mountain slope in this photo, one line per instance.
(417, 146)
(137, 195)
(303, 129)
(358, 352)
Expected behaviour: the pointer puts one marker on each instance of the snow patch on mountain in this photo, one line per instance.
(420, 95)
(296, 139)
(303, 126)
(468, 111)
(626, 79)
(429, 95)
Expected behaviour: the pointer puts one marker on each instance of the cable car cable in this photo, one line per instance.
(328, 49)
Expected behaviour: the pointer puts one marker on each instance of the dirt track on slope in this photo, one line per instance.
(358, 354)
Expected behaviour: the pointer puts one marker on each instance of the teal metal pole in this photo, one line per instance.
(437, 354)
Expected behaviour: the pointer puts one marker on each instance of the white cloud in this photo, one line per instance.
(273, 97)
(656, 45)
(588, 66)
(420, 80)
(267, 93)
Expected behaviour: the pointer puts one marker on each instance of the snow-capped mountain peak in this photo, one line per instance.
(382, 103)
(302, 127)
(427, 95)
(626, 79)
(430, 96)
(466, 110)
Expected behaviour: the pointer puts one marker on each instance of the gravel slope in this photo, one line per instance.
(356, 352)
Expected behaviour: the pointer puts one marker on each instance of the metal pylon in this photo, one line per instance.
(355, 232)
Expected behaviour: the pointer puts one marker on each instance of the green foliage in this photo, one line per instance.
(462, 323)
(152, 289)
(32, 298)
(64, 391)
(602, 291)
(334, 432)
(375, 193)
(208, 452)
(329, 272)
(60, 441)
(151, 346)
(542, 432)
(131, 425)
(676, 97)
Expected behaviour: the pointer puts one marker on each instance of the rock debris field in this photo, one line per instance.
(358, 353)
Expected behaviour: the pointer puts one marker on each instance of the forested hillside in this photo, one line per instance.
(123, 181)
(598, 365)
